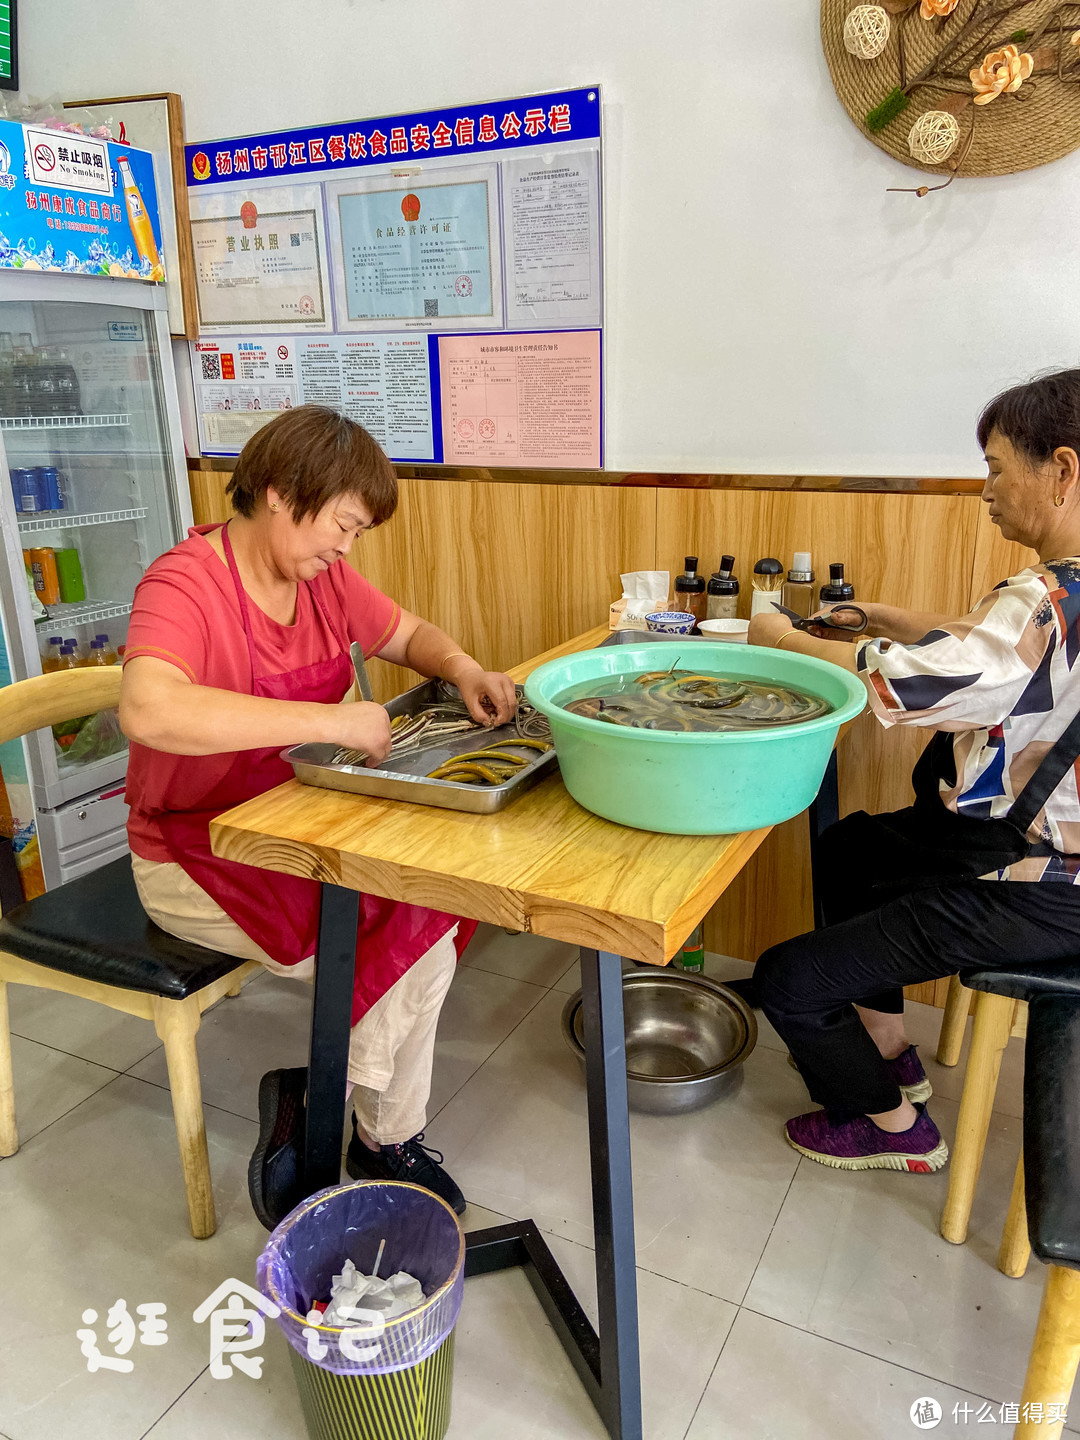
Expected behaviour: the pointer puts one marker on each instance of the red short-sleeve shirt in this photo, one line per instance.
(186, 612)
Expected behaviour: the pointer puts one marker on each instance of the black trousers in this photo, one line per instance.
(808, 986)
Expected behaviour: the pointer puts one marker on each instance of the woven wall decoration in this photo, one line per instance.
(1007, 74)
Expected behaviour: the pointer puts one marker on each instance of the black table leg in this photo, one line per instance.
(608, 1363)
(328, 1053)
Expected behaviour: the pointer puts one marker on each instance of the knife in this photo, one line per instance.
(356, 654)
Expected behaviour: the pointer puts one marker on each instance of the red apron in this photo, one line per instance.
(281, 912)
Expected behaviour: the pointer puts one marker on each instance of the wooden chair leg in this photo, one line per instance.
(951, 1036)
(1055, 1353)
(1015, 1249)
(237, 985)
(9, 1135)
(989, 1036)
(177, 1022)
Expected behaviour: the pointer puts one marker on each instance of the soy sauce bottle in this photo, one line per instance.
(837, 590)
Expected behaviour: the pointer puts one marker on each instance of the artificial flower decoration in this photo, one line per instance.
(931, 8)
(1001, 73)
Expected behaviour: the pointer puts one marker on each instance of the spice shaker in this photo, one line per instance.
(690, 589)
(837, 590)
(799, 585)
(768, 578)
(722, 592)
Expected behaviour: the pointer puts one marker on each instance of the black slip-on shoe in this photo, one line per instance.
(276, 1162)
(410, 1161)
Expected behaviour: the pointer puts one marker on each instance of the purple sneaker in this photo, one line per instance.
(908, 1072)
(858, 1144)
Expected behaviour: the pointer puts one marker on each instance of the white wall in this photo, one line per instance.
(770, 308)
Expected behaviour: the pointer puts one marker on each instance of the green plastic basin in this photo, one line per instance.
(694, 784)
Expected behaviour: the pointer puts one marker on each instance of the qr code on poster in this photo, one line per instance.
(431, 309)
(211, 366)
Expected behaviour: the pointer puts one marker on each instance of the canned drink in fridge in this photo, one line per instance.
(46, 580)
(48, 479)
(24, 485)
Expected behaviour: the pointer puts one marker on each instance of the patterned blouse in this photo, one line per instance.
(1005, 680)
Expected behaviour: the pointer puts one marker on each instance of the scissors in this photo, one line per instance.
(828, 620)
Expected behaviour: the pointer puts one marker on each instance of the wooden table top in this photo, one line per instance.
(542, 865)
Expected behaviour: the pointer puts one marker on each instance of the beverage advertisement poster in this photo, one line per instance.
(446, 265)
(76, 205)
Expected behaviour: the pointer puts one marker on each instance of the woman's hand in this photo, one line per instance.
(489, 694)
(832, 632)
(768, 628)
(361, 726)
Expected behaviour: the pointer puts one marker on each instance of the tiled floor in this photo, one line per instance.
(777, 1298)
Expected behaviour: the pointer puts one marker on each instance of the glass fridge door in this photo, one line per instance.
(96, 474)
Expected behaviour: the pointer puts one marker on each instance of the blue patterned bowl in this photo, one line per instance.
(670, 622)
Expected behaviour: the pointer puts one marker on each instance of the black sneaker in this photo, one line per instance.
(276, 1166)
(409, 1161)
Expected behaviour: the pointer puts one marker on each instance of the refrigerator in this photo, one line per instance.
(89, 410)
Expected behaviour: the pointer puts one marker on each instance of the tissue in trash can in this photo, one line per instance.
(391, 1298)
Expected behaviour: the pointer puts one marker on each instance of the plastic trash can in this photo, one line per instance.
(387, 1380)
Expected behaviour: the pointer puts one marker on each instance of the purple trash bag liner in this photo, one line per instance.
(348, 1222)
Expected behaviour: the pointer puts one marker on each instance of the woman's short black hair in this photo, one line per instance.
(1038, 417)
(311, 455)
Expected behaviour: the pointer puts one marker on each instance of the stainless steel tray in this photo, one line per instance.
(405, 778)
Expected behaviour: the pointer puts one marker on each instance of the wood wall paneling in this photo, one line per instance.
(993, 559)
(512, 570)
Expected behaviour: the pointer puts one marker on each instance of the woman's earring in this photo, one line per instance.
(275, 506)
(1058, 500)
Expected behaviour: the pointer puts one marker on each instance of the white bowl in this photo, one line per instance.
(734, 630)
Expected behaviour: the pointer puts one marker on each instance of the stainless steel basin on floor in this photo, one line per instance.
(686, 1039)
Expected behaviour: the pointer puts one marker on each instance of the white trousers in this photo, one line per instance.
(391, 1047)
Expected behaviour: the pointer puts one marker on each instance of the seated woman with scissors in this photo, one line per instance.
(239, 647)
(983, 869)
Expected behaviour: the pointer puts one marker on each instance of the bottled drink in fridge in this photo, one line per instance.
(50, 661)
(97, 653)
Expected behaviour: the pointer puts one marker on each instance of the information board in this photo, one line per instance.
(436, 276)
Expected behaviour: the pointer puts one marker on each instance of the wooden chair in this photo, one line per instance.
(92, 938)
(1052, 1162)
(1001, 1011)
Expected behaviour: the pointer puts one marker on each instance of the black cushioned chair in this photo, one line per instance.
(1052, 1166)
(1001, 1011)
(92, 938)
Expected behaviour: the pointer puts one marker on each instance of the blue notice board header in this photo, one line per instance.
(564, 115)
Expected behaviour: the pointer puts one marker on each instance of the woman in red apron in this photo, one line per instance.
(237, 648)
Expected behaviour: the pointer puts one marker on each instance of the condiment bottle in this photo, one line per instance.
(722, 592)
(837, 590)
(690, 590)
(692, 954)
(768, 578)
(799, 585)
